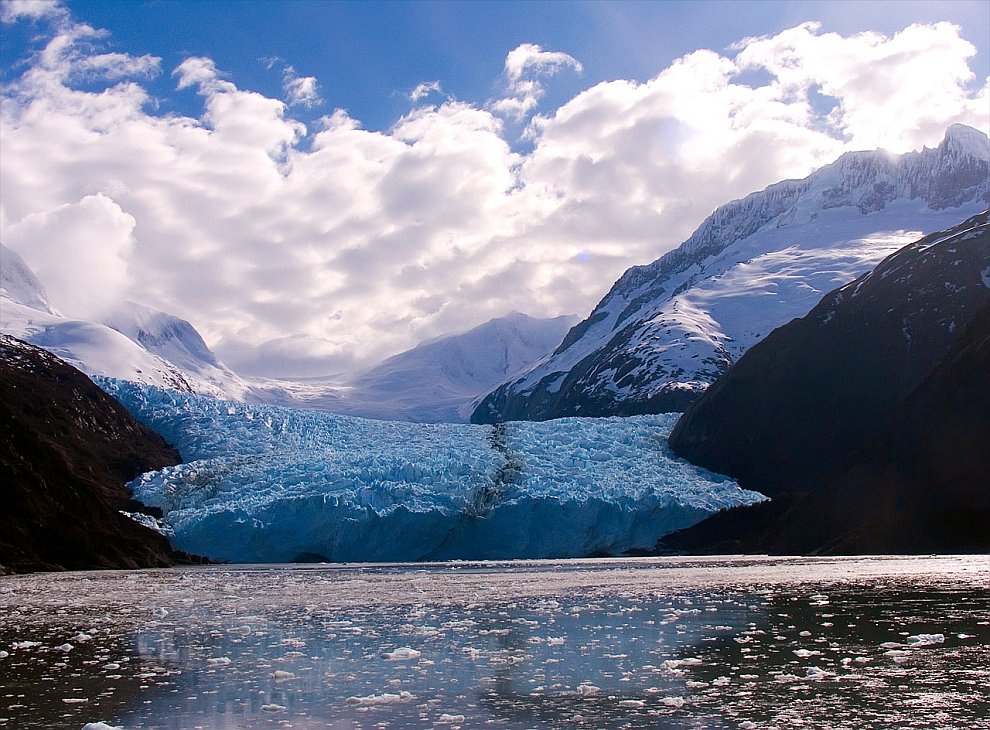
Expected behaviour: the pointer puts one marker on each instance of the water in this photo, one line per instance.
(652, 643)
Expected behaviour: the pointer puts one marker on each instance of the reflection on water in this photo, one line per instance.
(709, 643)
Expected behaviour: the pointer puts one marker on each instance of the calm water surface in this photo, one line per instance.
(882, 642)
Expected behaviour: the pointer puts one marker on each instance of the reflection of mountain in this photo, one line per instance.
(668, 329)
(105, 673)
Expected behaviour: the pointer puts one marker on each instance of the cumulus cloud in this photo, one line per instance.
(81, 251)
(301, 254)
(12, 11)
(300, 90)
(523, 67)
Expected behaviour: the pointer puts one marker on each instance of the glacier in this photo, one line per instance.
(272, 484)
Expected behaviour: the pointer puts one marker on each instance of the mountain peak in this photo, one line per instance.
(966, 140)
(667, 329)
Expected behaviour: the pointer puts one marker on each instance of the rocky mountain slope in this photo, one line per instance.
(868, 420)
(667, 330)
(66, 451)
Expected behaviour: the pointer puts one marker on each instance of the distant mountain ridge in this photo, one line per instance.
(436, 381)
(668, 329)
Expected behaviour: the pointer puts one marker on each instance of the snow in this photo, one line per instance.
(754, 265)
(271, 484)
(438, 381)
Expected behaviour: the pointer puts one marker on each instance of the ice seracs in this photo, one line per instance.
(271, 484)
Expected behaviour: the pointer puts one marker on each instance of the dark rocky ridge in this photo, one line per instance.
(868, 421)
(66, 451)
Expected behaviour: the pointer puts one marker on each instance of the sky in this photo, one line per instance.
(319, 185)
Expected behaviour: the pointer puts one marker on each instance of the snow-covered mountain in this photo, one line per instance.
(269, 484)
(668, 329)
(177, 342)
(437, 381)
(133, 343)
(868, 420)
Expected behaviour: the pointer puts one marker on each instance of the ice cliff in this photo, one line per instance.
(271, 484)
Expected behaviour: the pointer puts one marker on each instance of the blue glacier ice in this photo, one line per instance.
(271, 484)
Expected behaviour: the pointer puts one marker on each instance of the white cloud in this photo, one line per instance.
(522, 67)
(12, 11)
(312, 254)
(300, 90)
(81, 251)
(423, 90)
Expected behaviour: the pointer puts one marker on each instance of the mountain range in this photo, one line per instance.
(440, 380)
(667, 330)
(867, 421)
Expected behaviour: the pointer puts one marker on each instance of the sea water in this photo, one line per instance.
(750, 642)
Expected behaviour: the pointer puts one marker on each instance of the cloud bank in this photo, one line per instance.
(302, 251)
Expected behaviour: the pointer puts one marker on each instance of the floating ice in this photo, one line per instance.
(632, 703)
(386, 698)
(401, 654)
(272, 707)
(925, 639)
(280, 675)
(100, 726)
(269, 484)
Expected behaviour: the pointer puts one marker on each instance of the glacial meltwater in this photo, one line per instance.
(746, 642)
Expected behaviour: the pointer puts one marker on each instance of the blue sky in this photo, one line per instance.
(367, 55)
(261, 169)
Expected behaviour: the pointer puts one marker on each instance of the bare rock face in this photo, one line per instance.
(867, 421)
(66, 451)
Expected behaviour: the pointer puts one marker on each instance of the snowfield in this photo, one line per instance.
(272, 484)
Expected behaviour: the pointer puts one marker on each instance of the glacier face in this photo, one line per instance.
(668, 329)
(271, 484)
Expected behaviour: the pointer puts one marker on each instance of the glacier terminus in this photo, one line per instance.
(272, 484)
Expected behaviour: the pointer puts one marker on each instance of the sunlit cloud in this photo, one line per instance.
(523, 67)
(302, 251)
(12, 11)
(423, 90)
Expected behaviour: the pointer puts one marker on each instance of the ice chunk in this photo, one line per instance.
(272, 707)
(280, 675)
(446, 719)
(386, 698)
(925, 639)
(100, 726)
(632, 703)
(401, 654)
